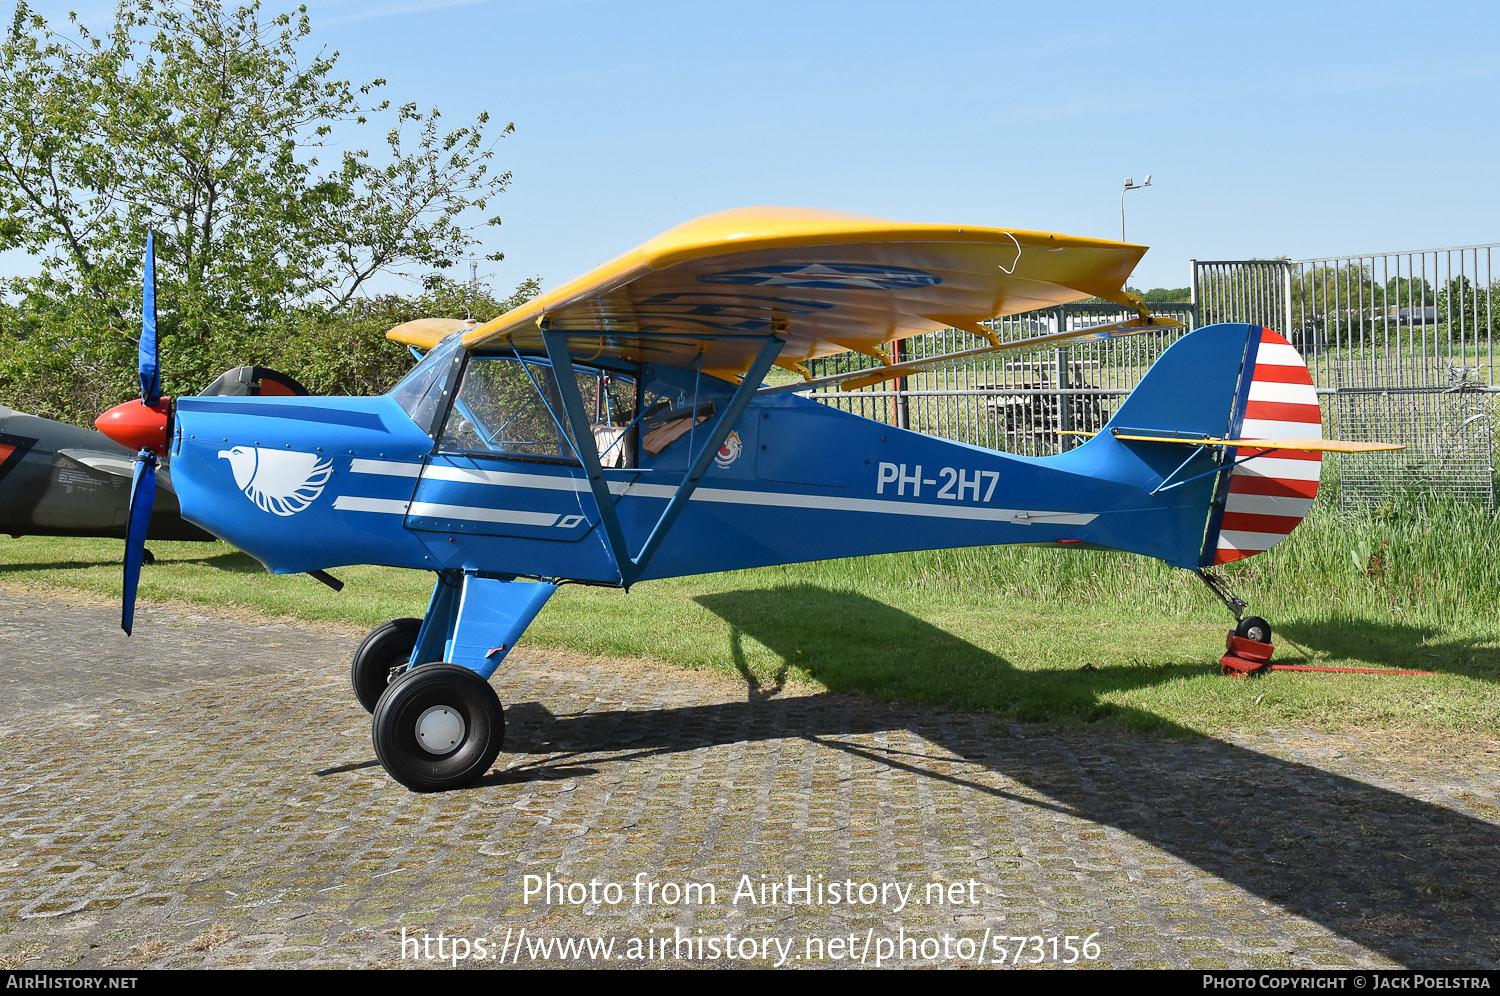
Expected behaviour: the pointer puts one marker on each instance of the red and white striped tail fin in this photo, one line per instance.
(1270, 494)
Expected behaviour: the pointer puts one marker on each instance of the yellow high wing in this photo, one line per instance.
(825, 282)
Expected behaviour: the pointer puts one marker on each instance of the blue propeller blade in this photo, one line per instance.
(142, 497)
(146, 362)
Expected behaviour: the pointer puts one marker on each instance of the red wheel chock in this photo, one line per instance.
(1245, 657)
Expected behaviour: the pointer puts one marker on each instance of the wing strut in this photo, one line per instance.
(852, 380)
(585, 448)
(631, 568)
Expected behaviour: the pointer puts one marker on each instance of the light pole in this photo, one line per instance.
(1129, 185)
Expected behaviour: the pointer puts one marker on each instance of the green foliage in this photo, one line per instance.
(1420, 559)
(346, 352)
(208, 125)
(1156, 295)
(1469, 310)
(51, 363)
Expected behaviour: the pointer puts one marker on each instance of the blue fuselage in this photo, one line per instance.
(313, 483)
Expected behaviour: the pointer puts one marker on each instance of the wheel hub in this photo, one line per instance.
(440, 729)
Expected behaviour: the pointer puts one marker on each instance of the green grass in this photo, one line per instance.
(1033, 634)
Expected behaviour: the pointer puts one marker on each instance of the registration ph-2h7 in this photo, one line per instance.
(952, 483)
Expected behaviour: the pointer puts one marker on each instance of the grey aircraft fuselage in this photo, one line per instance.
(62, 480)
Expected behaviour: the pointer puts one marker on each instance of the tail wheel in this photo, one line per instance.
(1254, 628)
(438, 727)
(382, 658)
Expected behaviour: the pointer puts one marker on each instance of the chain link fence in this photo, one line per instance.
(1401, 348)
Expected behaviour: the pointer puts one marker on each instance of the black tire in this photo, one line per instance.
(1254, 628)
(388, 647)
(454, 703)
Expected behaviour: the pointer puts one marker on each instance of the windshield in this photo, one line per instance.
(512, 405)
(422, 391)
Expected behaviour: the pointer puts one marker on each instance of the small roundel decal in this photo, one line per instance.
(730, 451)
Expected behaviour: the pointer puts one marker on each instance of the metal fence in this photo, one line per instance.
(1401, 347)
(1017, 402)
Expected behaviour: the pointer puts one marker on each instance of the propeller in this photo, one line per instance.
(142, 498)
(141, 426)
(148, 370)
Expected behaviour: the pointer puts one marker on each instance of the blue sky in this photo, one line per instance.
(1296, 129)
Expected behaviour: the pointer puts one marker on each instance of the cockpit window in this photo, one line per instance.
(421, 392)
(512, 406)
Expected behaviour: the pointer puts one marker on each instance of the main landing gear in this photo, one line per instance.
(1248, 647)
(437, 722)
(438, 726)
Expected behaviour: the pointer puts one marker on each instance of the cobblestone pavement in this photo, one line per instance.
(205, 794)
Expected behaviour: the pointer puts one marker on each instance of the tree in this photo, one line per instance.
(1467, 308)
(209, 125)
(1408, 292)
(1334, 304)
(347, 352)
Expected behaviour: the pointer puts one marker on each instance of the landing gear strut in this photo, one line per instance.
(1248, 646)
(1232, 602)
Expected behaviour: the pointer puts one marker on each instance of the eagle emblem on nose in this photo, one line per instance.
(282, 482)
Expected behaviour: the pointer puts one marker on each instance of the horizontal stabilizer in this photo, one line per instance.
(1306, 445)
(425, 333)
(99, 460)
(109, 463)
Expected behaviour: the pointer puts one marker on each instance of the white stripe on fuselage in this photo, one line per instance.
(501, 478)
(433, 510)
(353, 503)
(780, 499)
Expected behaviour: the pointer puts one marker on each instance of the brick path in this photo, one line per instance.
(205, 794)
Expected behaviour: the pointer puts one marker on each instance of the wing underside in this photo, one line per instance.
(824, 283)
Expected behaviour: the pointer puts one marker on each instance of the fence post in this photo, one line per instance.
(1286, 291)
(1064, 401)
(1193, 288)
(902, 414)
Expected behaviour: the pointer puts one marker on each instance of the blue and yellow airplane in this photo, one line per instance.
(619, 429)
